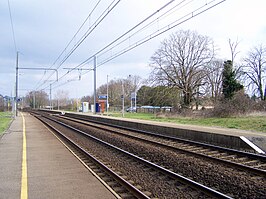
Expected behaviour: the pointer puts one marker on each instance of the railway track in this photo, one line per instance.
(127, 164)
(248, 162)
(112, 179)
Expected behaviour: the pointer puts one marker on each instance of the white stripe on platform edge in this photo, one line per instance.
(252, 145)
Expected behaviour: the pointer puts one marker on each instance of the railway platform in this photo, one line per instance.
(35, 164)
(231, 138)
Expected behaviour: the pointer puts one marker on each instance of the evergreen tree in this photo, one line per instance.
(230, 84)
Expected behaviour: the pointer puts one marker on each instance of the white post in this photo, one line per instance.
(77, 105)
(107, 97)
(123, 99)
(131, 105)
(135, 95)
(135, 101)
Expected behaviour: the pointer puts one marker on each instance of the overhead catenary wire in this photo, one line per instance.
(117, 39)
(166, 28)
(68, 44)
(207, 6)
(91, 29)
(74, 36)
(103, 15)
(175, 8)
(130, 30)
(78, 31)
(12, 27)
(155, 34)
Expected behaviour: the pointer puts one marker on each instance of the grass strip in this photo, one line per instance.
(5, 119)
(250, 123)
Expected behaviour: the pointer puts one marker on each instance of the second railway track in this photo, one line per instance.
(237, 184)
(249, 162)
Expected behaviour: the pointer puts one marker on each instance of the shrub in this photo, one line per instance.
(259, 106)
(239, 104)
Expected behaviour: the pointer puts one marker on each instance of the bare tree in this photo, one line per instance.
(130, 84)
(37, 99)
(62, 98)
(233, 48)
(180, 61)
(214, 79)
(234, 52)
(255, 70)
(214, 70)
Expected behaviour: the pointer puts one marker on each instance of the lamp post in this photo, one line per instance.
(94, 97)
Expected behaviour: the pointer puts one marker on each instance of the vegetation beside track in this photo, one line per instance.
(5, 119)
(253, 123)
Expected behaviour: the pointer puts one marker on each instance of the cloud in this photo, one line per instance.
(44, 27)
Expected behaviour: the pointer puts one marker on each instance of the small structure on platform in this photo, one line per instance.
(85, 107)
(102, 101)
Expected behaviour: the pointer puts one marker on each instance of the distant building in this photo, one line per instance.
(2, 103)
(5, 103)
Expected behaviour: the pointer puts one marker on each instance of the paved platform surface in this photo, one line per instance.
(52, 171)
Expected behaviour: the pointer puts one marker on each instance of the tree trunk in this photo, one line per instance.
(265, 94)
(187, 99)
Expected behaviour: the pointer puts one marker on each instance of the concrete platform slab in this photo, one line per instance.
(53, 172)
(10, 161)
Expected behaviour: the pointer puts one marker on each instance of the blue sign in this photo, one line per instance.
(102, 96)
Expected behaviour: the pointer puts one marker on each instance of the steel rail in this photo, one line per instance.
(137, 193)
(202, 188)
(234, 151)
(227, 162)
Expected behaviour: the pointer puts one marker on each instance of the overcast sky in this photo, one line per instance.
(43, 28)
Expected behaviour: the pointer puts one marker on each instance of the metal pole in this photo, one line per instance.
(77, 105)
(34, 105)
(123, 99)
(13, 101)
(94, 97)
(107, 97)
(16, 106)
(50, 96)
(135, 101)
(41, 69)
(135, 94)
(131, 103)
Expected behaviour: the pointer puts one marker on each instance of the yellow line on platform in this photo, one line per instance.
(24, 177)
